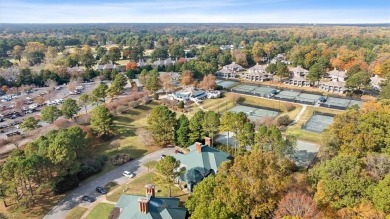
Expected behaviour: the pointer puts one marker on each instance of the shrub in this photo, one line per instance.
(64, 184)
(89, 168)
(83, 119)
(283, 121)
(288, 107)
(119, 159)
(155, 96)
(134, 104)
(181, 105)
(62, 123)
(218, 87)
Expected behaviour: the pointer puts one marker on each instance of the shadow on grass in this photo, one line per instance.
(110, 186)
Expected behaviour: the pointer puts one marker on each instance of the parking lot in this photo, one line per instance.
(15, 108)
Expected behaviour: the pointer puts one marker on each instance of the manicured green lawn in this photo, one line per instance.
(102, 210)
(137, 187)
(76, 213)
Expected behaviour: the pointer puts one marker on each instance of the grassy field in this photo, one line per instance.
(126, 140)
(102, 210)
(76, 213)
(306, 135)
(137, 187)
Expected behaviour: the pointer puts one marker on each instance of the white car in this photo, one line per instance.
(128, 174)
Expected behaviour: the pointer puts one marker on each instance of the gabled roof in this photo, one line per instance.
(158, 208)
(334, 83)
(337, 73)
(234, 66)
(299, 69)
(225, 70)
(209, 158)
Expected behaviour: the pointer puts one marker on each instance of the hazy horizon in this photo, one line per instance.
(202, 11)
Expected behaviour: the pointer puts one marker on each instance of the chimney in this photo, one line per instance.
(208, 141)
(198, 147)
(150, 192)
(143, 205)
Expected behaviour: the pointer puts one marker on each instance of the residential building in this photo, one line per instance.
(165, 62)
(258, 73)
(298, 77)
(200, 162)
(108, 67)
(229, 71)
(280, 58)
(198, 95)
(141, 63)
(75, 70)
(334, 81)
(376, 82)
(148, 207)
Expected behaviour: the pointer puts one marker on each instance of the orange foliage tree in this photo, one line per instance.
(131, 65)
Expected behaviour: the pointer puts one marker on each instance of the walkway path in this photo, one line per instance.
(300, 114)
(115, 175)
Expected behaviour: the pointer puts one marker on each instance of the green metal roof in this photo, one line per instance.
(158, 208)
(209, 158)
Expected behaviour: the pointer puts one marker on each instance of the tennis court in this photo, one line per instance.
(307, 98)
(226, 84)
(357, 102)
(254, 113)
(244, 88)
(336, 103)
(287, 95)
(263, 91)
(318, 123)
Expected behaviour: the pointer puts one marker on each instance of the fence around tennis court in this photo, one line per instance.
(256, 113)
(318, 122)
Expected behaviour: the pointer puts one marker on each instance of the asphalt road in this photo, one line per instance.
(115, 175)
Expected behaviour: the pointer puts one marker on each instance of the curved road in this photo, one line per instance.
(73, 199)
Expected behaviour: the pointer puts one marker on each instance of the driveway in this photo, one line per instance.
(73, 199)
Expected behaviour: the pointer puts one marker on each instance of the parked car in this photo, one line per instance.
(101, 190)
(128, 174)
(178, 152)
(162, 156)
(87, 198)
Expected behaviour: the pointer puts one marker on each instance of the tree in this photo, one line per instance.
(161, 123)
(168, 170)
(17, 52)
(131, 65)
(296, 204)
(117, 85)
(268, 48)
(29, 124)
(182, 131)
(333, 181)
(257, 52)
(152, 81)
(69, 108)
(101, 121)
(176, 51)
(282, 70)
(50, 113)
(208, 82)
(316, 72)
(186, 78)
(271, 68)
(381, 195)
(100, 92)
(244, 180)
(86, 56)
(210, 124)
(377, 165)
(196, 129)
(166, 82)
(160, 53)
(358, 80)
(83, 100)
(100, 52)
(114, 54)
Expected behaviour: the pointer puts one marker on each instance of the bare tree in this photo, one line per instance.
(208, 82)
(39, 100)
(296, 204)
(167, 82)
(145, 136)
(19, 105)
(187, 78)
(51, 84)
(234, 98)
(72, 85)
(378, 165)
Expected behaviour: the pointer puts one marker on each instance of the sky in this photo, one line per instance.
(195, 11)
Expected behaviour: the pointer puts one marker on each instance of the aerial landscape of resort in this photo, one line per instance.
(172, 109)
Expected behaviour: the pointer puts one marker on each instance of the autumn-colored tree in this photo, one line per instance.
(17, 52)
(257, 52)
(131, 65)
(166, 82)
(187, 78)
(296, 204)
(240, 58)
(268, 48)
(208, 82)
